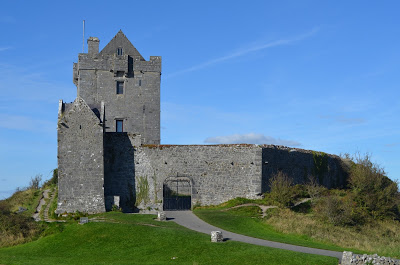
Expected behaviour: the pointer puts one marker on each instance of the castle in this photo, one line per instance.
(109, 151)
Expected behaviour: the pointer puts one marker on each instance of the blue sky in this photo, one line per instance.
(320, 75)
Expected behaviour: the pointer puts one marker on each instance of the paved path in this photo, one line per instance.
(191, 221)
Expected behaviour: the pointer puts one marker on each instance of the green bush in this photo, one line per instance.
(373, 190)
(313, 188)
(116, 208)
(341, 210)
(16, 228)
(281, 189)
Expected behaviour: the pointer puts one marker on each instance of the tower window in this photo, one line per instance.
(119, 51)
(119, 124)
(140, 82)
(120, 87)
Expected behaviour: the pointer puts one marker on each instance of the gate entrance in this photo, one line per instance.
(177, 193)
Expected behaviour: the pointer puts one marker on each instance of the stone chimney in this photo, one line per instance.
(93, 45)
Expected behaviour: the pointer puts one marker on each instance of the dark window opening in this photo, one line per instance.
(119, 125)
(119, 51)
(120, 87)
(140, 82)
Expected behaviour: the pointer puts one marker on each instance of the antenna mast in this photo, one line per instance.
(83, 37)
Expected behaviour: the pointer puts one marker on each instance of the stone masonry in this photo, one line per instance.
(109, 150)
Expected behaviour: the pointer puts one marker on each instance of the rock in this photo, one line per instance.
(161, 216)
(216, 236)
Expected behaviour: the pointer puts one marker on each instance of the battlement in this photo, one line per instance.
(113, 63)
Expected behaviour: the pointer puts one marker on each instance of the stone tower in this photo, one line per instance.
(117, 107)
(128, 85)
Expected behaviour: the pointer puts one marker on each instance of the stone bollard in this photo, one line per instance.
(84, 220)
(161, 216)
(347, 258)
(216, 236)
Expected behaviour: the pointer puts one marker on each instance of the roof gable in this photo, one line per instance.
(80, 107)
(121, 41)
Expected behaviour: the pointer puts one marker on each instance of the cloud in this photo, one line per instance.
(2, 49)
(245, 51)
(249, 138)
(24, 123)
(343, 119)
(392, 144)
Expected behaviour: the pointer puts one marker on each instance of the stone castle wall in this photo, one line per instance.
(80, 160)
(218, 173)
(329, 170)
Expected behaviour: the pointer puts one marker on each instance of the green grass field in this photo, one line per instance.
(287, 226)
(138, 239)
(246, 221)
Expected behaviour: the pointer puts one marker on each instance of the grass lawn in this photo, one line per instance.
(246, 221)
(138, 239)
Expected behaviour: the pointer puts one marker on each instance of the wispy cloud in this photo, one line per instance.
(392, 144)
(2, 49)
(249, 138)
(24, 123)
(248, 50)
(344, 120)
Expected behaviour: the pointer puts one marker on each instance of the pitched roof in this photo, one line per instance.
(121, 41)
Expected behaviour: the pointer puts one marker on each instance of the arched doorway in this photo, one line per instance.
(177, 193)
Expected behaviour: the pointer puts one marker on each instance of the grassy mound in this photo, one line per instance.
(18, 226)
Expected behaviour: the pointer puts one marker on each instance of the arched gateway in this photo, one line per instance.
(177, 193)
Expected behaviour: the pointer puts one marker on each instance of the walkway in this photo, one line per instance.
(191, 221)
(42, 202)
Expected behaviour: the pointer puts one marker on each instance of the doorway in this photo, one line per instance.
(177, 194)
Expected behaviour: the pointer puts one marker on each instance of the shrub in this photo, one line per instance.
(313, 188)
(116, 208)
(16, 228)
(281, 191)
(332, 209)
(35, 182)
(341, 210)
(373, 190)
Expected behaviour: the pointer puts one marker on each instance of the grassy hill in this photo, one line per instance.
(118, 238)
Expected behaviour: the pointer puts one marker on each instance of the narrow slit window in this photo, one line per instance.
(120, 87)
(119, 125)
(140, 82)
(119, 51)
